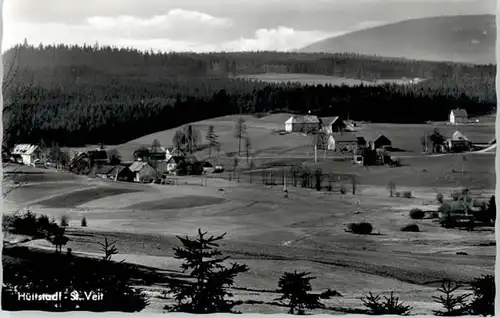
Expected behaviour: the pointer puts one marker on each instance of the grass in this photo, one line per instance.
(305, 79)
(31, 192)
(270, 148)
(259, 220)
(79, 197)
(183, 202)
(311, 79)
(440, 171)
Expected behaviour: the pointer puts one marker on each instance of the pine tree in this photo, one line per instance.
(295, 288)
(84, 222)
(206, 291)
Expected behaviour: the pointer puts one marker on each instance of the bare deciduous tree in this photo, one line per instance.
(211, 137)
(248, 146)
(14, 115)
(240, 132)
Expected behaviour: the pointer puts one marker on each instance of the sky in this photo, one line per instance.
(211, 25)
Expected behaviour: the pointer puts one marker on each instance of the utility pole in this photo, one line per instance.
(463, 163)
(284, 180)
(425, 137)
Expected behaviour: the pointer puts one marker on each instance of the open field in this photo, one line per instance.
(268, 146)
(272, 234)
(311, 79)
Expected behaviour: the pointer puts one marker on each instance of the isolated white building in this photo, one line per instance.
(458, 116)
(28, 153)
(304, 124)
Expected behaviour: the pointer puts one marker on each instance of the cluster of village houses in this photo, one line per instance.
(155, 162)
(151, 164)
(339, 135)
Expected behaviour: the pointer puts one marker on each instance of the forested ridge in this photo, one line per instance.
(95, 94)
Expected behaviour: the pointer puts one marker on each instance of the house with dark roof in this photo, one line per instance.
(361, 141)
(332, 125)
(102, 171)
(80, 163)
(142, 172)
(115, 172)
(458, 116)
(382, 142)
(123, 173)
(98, 157)
(182, 165)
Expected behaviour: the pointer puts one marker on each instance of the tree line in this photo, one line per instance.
(89, 95)
(81, 61)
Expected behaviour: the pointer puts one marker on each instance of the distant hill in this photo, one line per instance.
(463, 38)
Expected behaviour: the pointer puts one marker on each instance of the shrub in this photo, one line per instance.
(483, 302)
(84, 222)
(440, 198)
(410, 228)
(397, 194)
(396, 162)
(295, 290)
(360, 228)
(343, 189)
(407, 194)
(328, 294)
(329, 188)
(434, 214)
(64, 221)
(456, 195)
(28, 223)
(390, 306)
(417, 214)
(42, 272)
(317, 179)
(445, 208)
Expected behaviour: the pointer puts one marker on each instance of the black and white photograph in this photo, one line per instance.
(296, 157)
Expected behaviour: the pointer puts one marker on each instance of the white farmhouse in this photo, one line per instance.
(458, 116)
(304, 124)
(29, 154)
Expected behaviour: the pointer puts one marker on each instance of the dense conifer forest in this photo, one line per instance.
(88, 95)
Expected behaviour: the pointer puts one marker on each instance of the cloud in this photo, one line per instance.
(280, 38)
(174, 20)
(171, 19)
(176, 24)
(368, 24)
